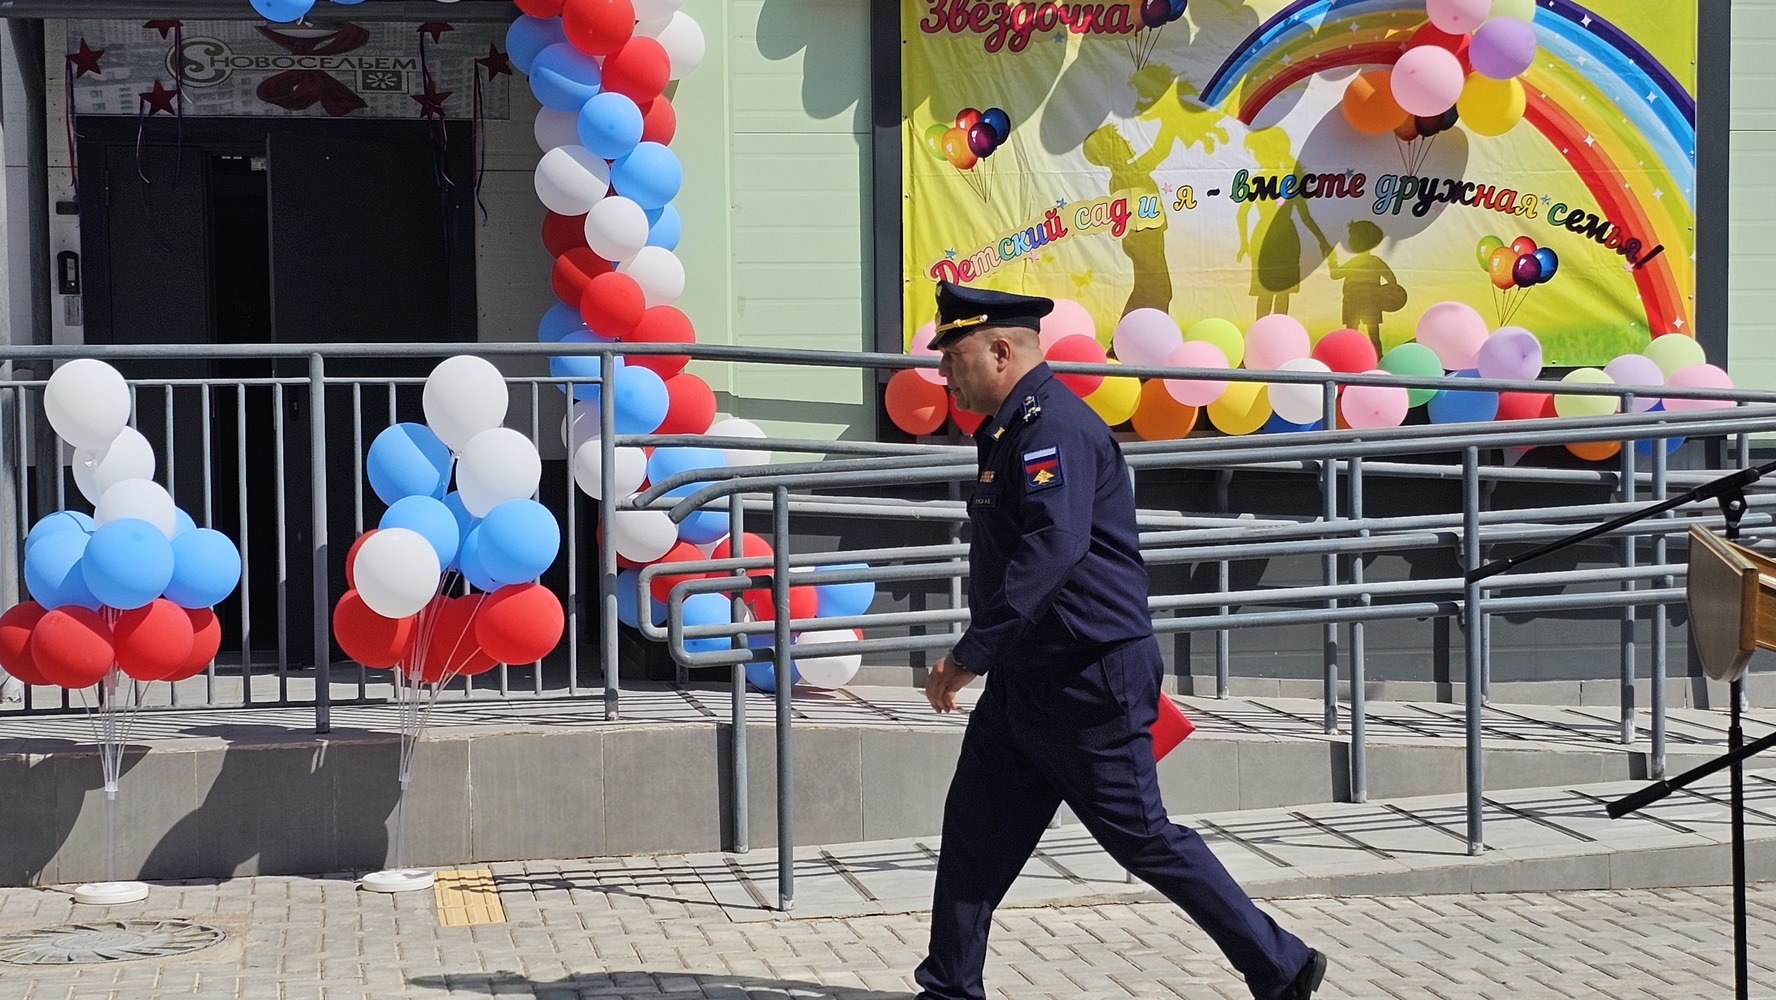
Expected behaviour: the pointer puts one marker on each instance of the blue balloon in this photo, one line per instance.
(1462, 406)
(280, 10)
(465, 522)
(127, 563)
(708, 609)
(431, 519)
(182, 522)
(53, 574)
(668, 462)
(57, 523)
(764, 675)
(407, 460)
(564, 78)
(206, 568)
(529, 36)
(650, 176)
(626, 595)
(469, 561)
(519, 539)
(642, 399)
(842, 599)
(566, 366)
(1550, 262)
(664, 228)
(702, 527)
(559, 322)
(1277, 425)
(610, 125)
(998, 121)
(1644, 446)
(1177, 9)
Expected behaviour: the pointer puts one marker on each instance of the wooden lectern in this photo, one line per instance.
(1732, 594)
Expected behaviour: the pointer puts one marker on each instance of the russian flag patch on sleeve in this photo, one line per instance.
(1042, 468)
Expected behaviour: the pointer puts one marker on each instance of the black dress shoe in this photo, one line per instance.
(1308, 979)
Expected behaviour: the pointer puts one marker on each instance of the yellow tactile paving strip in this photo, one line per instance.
(467, 896)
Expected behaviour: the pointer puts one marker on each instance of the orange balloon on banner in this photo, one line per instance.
(1159, 417)
(1595, 451)
(1369, 104)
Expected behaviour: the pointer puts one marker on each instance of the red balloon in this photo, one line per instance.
(574, 270)
(206, 641)
(368, 637)
(540, 8)
(1522, 405)
(639, 70)
(1346, 351)
(351, 559)
(1078, 347)
(659, 121)
(16, 626)
(965, 420)
(967, 118)
(598, 27)
(562, 233)
(661, 325)
(1522, 245)
(72, 647)
(803, 603)
(660, 586)
(453, 648)
(612, 304)
(692, 406)
(520, 623)
(915, 405)
(756, 545)
(153, 641)
(1430, 34)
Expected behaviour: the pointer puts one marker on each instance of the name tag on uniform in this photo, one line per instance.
(985, 500)
(1042, 468)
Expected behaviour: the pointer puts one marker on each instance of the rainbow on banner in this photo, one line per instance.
(1597, 95)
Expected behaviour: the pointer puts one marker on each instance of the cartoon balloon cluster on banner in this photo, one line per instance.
(973, 136)
(1515, 268)
(130, 588)
(400, 610)
(1462, 65)
(1452, 339)
(608, 178)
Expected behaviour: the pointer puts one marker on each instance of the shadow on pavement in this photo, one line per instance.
(632, 985)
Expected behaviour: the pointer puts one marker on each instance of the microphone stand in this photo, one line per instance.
(1729, 491)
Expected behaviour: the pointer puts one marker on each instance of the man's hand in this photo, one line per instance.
(946, 679)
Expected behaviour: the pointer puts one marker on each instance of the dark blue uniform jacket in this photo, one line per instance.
(1055, 572)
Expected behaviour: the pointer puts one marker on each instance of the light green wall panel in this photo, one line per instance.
(1751, 233)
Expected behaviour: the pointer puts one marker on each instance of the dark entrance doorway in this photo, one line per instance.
(272, 231)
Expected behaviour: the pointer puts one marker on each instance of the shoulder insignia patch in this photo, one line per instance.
(1042, 468)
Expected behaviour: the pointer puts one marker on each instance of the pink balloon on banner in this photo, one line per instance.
(1456, 331)
(1458, 17)
(1196, 354)
(1427, 80)
(1068, 319)
(1275, 339)
(1703, 376)
(1370, 406)
(921, 348)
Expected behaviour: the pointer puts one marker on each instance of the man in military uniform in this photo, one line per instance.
(1058, 595)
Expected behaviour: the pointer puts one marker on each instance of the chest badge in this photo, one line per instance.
(987, 476)
(1042, 468)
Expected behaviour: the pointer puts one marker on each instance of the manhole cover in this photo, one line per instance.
(106, 941)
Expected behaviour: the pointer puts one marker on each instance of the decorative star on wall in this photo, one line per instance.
(161, 99)
(86, 60)
(436, 29)
(431, 103)
(164, 25)
(495, 62)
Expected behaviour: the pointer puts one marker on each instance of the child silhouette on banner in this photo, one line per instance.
(1370, 288)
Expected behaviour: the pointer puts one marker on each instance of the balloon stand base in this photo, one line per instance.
(110, 893)
(397, 880)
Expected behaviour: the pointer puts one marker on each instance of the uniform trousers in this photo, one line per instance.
(1040, 737)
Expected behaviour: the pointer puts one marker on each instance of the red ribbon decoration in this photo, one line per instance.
(301, 89)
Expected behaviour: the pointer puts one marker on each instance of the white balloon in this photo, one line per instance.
(734, 427)
(659, 273)
(87, 402)
(555, 129)
(656, 10)
(616, 228)
(631, 469)
(397, 572)
(643, 536)
(143, 499)
(497, 465)
(464, 396)
(570, 179)
(128, 456)
(827, 671)
(1300, 402)
(580, 424)
(683, 41)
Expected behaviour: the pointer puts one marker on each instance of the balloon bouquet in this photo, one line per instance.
(1462, 65)
(1515, 268)
(972, 137)
(1155, 15)
(121, 598)
(445, 585)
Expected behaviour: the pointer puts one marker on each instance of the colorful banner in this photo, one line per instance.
(1208, 167)
(252, 69)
